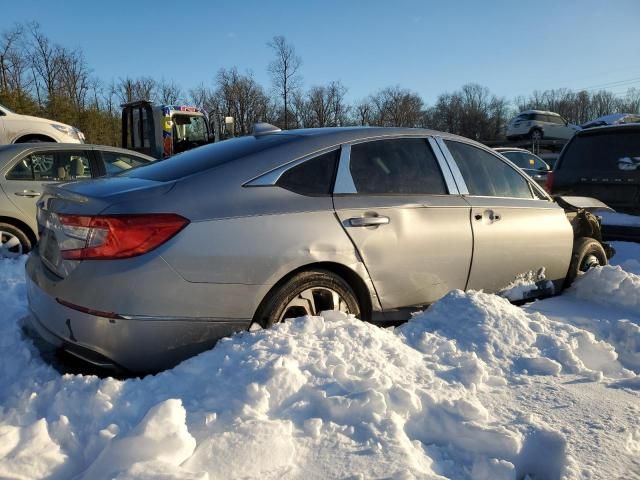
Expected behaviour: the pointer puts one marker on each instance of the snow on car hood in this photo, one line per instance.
(333, 397)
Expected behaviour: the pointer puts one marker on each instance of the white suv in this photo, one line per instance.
(16, 128)
(538, 124)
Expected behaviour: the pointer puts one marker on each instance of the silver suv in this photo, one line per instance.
(150, 266)
(539, 124)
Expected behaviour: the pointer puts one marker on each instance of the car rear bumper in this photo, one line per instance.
(135, 343)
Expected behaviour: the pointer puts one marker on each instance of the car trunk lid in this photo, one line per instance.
(82, 198)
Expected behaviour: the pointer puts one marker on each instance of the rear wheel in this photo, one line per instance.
(13, 241)
(536, 134)
(307, 293)
(587, 253)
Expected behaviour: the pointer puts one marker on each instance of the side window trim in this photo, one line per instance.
(532, 185)
(445, 167)
(344, 182)
(453, 166)
(271, 177)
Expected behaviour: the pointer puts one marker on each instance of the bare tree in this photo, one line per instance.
(8, 46)
(284, 71)
(169, 92)
(45, 61)
(74, 77)
(241, 97)
(142, 88)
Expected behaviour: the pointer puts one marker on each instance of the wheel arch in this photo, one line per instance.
(22, 226)
(30, 137)
(355, 281)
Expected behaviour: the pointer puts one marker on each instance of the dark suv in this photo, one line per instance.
(603, 163)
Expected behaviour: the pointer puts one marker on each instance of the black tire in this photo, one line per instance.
(8, 230)
(586, 251)
(536, 134)
(274, 305)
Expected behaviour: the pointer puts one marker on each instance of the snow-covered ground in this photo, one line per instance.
(619, 219)
(474, 388)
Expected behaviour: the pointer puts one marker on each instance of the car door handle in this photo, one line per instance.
(490, 215)
(368, 221)
(27, 193)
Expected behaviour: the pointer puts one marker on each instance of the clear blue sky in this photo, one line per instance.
(512, 47)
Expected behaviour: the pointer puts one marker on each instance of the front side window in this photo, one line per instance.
(314, 177)
(21, 170)
(115, 162)
(396, 166)
(485, 174)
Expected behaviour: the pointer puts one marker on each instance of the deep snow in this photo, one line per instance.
(474, 387)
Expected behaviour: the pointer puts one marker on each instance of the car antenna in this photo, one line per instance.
(262, 128)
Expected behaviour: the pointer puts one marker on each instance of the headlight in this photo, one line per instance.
(63, 128)
(70, 131)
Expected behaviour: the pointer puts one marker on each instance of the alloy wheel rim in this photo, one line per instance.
(10, 246)
(589, 262)
(312, 301)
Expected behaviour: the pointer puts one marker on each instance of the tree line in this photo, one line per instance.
(40, 77)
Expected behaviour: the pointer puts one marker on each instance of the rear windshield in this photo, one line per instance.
(602, 152)
(206, 157)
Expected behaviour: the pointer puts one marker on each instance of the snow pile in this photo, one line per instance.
(314, 397)
(527, 285)
(627, 256)
(610, 286)
(486, 337)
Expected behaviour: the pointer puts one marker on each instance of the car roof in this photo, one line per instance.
(633, 127)
(18, 148)
(332, 135)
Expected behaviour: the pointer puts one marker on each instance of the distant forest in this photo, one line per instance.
(42, 78)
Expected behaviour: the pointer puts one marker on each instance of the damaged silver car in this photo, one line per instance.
(144, 269)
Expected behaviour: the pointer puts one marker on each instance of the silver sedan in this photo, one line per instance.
(144, 269)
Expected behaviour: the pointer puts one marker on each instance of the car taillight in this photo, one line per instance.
(103, 237)
(548, 184)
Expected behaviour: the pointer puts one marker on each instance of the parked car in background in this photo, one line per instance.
(613, 119)
(26, 167)
(532, 165)
(146, 268)
(16, 128)
(539, 124)
(604, 163)
(550, 158)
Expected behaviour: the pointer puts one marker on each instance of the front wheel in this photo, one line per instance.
(587, 253)
(307, 293)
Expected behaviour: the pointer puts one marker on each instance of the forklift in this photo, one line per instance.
(165, 130)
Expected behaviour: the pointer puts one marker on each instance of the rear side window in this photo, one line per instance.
(314, 177)
(208, 156)
(615, 152)
(525, 160)
(486, 175)
(116, 162)
(52, 166)
(397, 166)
